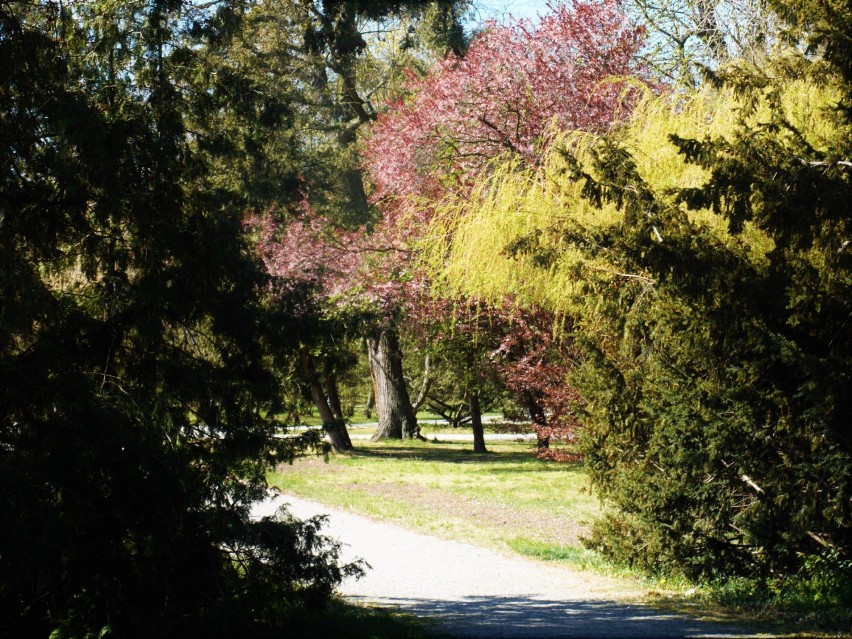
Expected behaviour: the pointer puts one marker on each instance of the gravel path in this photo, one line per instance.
(474, 592)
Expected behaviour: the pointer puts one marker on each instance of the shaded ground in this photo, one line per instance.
(535, 616)
(474, 592)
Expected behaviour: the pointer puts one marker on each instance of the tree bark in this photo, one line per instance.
(371, 402)
(335, 428)
(476, 422)
(333, 396)
(538, 419)
(352, 179)
(396, 416)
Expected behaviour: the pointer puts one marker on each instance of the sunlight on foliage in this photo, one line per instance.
(698, 256)
(514, 236)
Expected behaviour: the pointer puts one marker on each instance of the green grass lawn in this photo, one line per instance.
(505, 499)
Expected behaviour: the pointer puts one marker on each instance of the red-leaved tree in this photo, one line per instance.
(574, 70)
(534, 362)
(570, 71)
(347, 278)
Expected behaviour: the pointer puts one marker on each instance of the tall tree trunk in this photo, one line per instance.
(476, 422)
(538, 419)
(352, 180)
(396, 417)
(335, 428)
(333, 395)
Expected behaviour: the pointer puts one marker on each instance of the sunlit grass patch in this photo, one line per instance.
(444, 489)
(580, 557)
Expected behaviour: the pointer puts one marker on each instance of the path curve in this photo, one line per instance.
(470, 591)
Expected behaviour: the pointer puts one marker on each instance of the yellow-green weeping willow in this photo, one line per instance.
(699, 257)
(508, 239)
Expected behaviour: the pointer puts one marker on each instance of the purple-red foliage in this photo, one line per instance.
(515, 81)
(531, 358)
(350, 267)
(303, 251)
(572, 71)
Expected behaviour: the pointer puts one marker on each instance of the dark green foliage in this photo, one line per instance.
(344, 71)
(134, 347)
(718, 393)
(443, 33)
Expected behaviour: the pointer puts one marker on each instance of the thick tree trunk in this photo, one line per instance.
(396, 417)
(333, 396)
(335, 428)
(476, 422)
(352, 181)
(538, 419)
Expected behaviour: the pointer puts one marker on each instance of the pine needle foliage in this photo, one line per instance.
(703, 253)
(135, 348)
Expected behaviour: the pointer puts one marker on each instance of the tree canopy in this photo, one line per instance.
(578, 67)
(701, 255)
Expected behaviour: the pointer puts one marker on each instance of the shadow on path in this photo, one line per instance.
(536, 617)
(470, 591)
